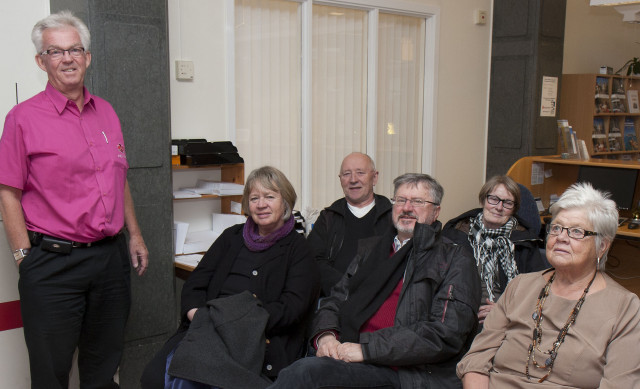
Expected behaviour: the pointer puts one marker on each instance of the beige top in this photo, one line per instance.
(600, 350)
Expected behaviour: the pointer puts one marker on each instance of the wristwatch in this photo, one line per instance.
(20, 254)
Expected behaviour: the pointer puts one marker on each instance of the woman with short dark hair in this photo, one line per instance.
(502, 243)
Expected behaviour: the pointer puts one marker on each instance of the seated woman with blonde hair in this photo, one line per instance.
(571, 326)
(244, 307)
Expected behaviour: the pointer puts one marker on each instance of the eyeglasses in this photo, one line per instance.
(416, 203)
(572, 232)
(495, 200)
(59, 53)
(347, 175)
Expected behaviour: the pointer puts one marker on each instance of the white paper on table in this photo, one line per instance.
(199, 241)
(189, 260)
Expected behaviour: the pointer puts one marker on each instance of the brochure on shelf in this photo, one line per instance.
(180, 230)
(632, 101)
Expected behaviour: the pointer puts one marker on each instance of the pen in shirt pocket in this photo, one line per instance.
(105, 137)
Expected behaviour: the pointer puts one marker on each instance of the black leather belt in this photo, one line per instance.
(36, 238)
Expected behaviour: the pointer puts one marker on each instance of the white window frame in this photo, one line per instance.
(431, 14)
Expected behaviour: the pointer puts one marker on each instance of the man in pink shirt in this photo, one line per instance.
(65, 201)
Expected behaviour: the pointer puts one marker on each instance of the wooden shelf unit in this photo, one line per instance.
(578, 106)
(233, 173)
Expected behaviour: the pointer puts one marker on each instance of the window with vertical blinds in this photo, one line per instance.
(380, 114)
(339, 93)
(267, 85)
(400, 97)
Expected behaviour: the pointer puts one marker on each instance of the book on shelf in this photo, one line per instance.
(632, 101)
(599, 143)
(598, 126)
(602, 105)
(630, 137)
(614, 141)
(617, 105)
(617, 88)
(615, 135)
(602, 87)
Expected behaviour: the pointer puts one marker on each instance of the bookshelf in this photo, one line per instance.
(197, 211)
(598, 109)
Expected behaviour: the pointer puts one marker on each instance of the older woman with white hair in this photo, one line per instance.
(570, 326)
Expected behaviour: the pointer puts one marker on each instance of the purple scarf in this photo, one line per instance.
(255, 242)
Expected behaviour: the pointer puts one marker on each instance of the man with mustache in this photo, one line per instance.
(405, 311)
(65, 199)
(360, 214)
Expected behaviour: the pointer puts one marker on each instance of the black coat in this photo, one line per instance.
(286, 283)
(436, 313)
(526, 251)
(327, 236)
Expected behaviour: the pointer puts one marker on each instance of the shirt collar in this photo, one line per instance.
(397, 245)
(360, 212)
(60, 101)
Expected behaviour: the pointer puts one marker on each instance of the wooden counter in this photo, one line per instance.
(564, 173)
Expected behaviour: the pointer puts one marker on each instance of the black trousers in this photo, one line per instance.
(82, 300)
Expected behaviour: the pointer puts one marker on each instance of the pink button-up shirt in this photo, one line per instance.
(70, 165)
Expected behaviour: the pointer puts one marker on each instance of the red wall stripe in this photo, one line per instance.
(10, 317)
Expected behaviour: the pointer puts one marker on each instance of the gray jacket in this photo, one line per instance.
(225, 344)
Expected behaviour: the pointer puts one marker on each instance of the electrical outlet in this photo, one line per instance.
(184, 70)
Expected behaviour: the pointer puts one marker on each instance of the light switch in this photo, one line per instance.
(184, 70)
(480, 16)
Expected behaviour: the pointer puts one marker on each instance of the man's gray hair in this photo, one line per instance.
(60, 20)
(414, 179)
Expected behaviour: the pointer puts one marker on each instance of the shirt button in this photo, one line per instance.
(269, 367)
(255, 272)
(268, 341)
(254, 295)
(98, 168)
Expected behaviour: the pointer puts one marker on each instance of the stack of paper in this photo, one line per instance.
(218, 188)
(185, 193)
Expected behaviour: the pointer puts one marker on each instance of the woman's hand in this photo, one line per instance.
(191, 313)
(484, 310)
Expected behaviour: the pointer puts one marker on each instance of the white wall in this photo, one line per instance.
(596, 36)
(16, 20)
(199, 110)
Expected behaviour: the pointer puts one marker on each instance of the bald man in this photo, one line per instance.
(360, 214)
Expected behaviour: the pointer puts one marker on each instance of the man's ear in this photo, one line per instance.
(40, 62)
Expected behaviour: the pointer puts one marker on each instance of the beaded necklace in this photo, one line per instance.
(537, 330)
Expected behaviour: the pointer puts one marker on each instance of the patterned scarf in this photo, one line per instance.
(493, 247)
(255, 242)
